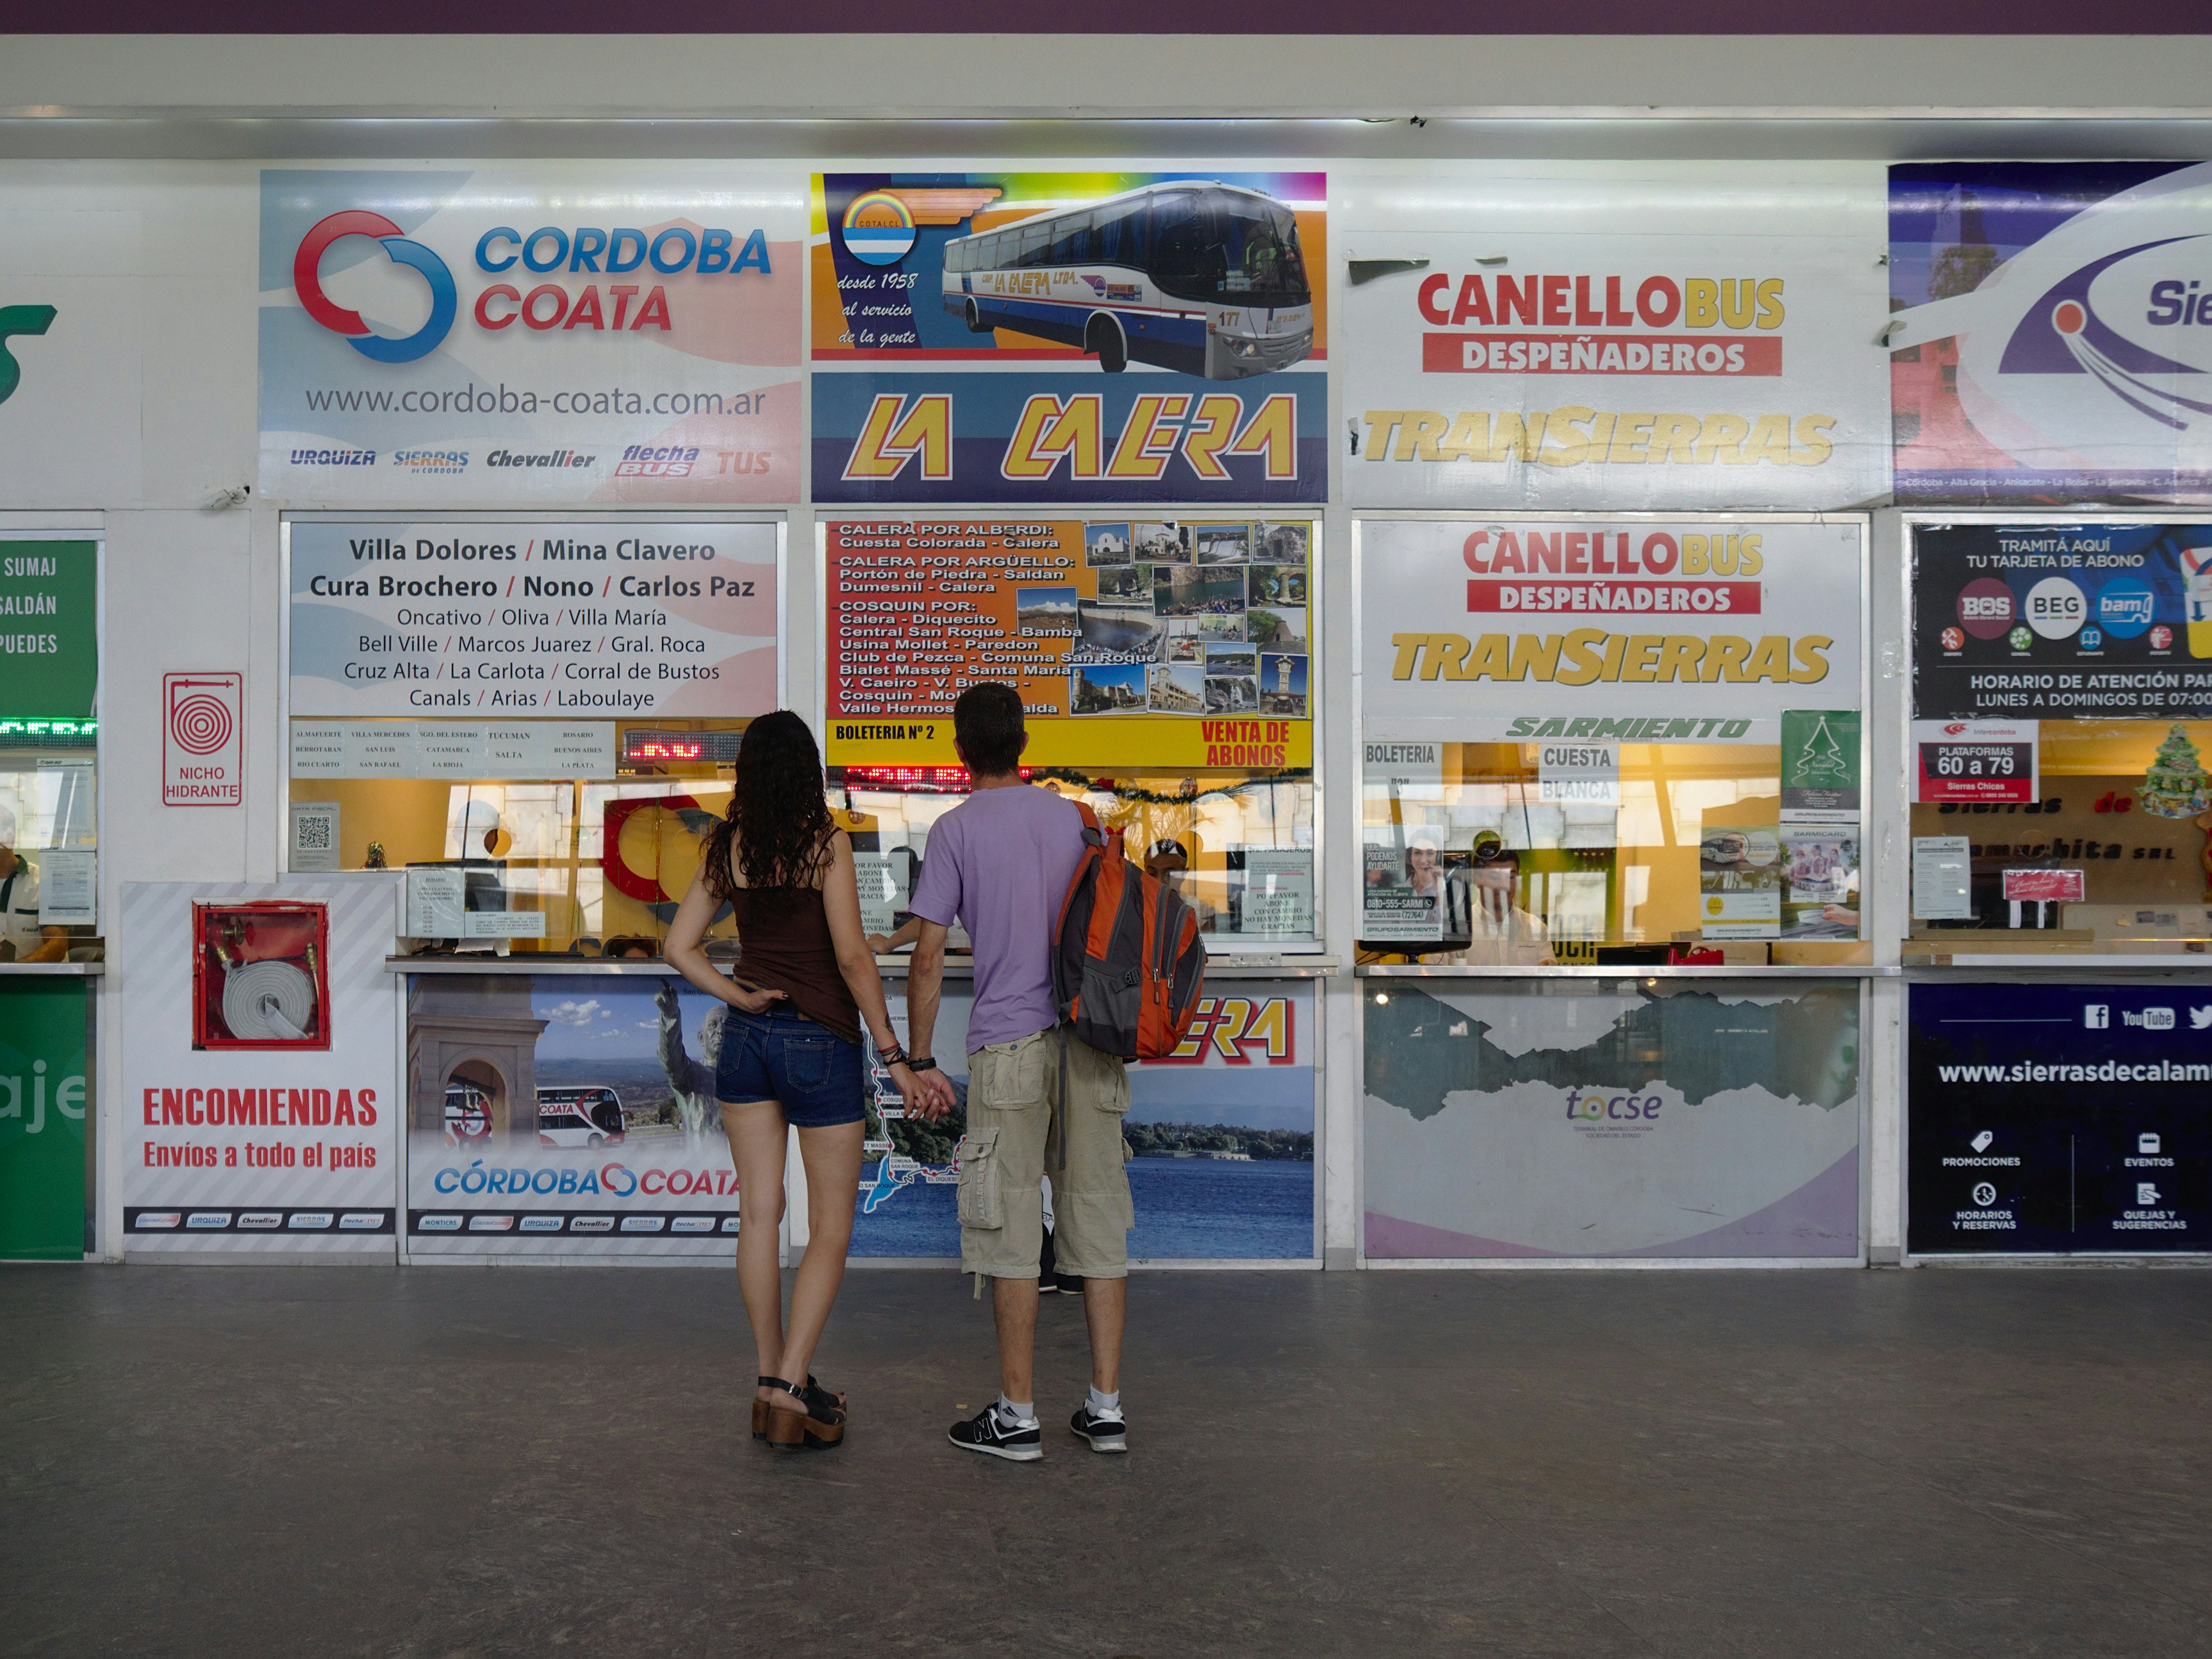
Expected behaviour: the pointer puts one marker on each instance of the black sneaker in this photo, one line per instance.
(1107, 1432)
(986, 1432)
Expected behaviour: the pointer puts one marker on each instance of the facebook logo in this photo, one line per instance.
(2097, 1016)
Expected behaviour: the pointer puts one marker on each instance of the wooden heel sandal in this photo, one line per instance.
(820, 1427)
(760, 1407)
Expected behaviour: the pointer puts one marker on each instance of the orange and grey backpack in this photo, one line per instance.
(1126, 966)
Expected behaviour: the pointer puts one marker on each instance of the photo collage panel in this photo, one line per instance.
(1204, 617)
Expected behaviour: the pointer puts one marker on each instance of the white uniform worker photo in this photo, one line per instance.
(21, 939)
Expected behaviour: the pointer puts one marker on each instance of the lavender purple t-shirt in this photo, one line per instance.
(1001, 862)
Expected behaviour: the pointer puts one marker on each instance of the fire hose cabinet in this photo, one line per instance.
(260, 975)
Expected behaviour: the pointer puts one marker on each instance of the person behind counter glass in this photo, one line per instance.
(26, 941)
(1168, 862)
(790, 1055)
(1480, 914)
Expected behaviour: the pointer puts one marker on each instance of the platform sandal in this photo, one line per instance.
(822, 1426)
(760, 1407)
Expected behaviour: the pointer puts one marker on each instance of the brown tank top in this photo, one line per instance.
(790, 951)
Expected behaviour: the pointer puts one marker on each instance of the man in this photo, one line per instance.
(18, 905)
(1039, 1100)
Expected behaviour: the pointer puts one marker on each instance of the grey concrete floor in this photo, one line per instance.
(447, 1463)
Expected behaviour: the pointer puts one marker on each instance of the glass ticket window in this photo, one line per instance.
(1238, 845)
(536, 718)
(1520, 855)
(2110, 851)
(49, 839)
(49, 747)
(1166, 671)
(2060, 752)
(553, 836)
(1628, 740)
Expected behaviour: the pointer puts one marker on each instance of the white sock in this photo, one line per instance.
(1014, 1415)
(1104, 1405)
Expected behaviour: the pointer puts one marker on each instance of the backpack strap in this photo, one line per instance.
(1092, 835)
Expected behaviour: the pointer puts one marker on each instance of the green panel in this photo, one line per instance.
(43, 1097)
(49, 648)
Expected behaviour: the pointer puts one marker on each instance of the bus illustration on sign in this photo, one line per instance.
(1204, 278)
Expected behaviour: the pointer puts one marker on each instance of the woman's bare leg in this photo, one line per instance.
(832, 1157)
(755, 1131)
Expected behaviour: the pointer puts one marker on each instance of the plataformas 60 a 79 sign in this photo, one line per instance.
(603, 335)
(1139, 336)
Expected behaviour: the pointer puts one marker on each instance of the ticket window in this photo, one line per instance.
(1683, 853)
(591, 865)
(49, 840)
(1238, 845)
(2112, 852)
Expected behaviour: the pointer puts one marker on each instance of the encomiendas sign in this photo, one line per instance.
(1560, 335)
(1689, 631)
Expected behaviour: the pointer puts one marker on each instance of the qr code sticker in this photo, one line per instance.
(311, 832)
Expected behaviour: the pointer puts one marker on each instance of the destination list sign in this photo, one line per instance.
(1143, 642)
(532, 618)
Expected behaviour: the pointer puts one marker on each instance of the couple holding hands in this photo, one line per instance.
(1039, 1103)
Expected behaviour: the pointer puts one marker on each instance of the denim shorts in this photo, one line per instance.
(814, 1073)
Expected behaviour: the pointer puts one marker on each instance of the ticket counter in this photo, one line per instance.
(2061, 912)
(534, 719)
(51, 950)
(1168, 670)
(1611, 935)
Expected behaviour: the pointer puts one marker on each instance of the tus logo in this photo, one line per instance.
(306, 281)
(14, 320)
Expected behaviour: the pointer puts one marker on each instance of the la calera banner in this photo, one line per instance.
(1069, 337)
(532, 618)
(1697, 630)
(561, 333)
(1554, 335)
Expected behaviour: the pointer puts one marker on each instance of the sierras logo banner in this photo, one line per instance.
(1557, 334)
(420, 326)
(2052, 340)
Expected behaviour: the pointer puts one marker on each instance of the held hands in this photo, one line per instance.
(752, 1002)
(928, 1095)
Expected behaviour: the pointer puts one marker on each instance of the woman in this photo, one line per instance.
(791, 1051)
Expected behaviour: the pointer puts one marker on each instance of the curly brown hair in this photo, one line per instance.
(778, 822)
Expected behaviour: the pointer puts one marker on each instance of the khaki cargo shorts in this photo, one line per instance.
(1020, 1129)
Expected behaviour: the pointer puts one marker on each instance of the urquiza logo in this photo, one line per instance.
(333, 458)
(547, 306)
(14, 320)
